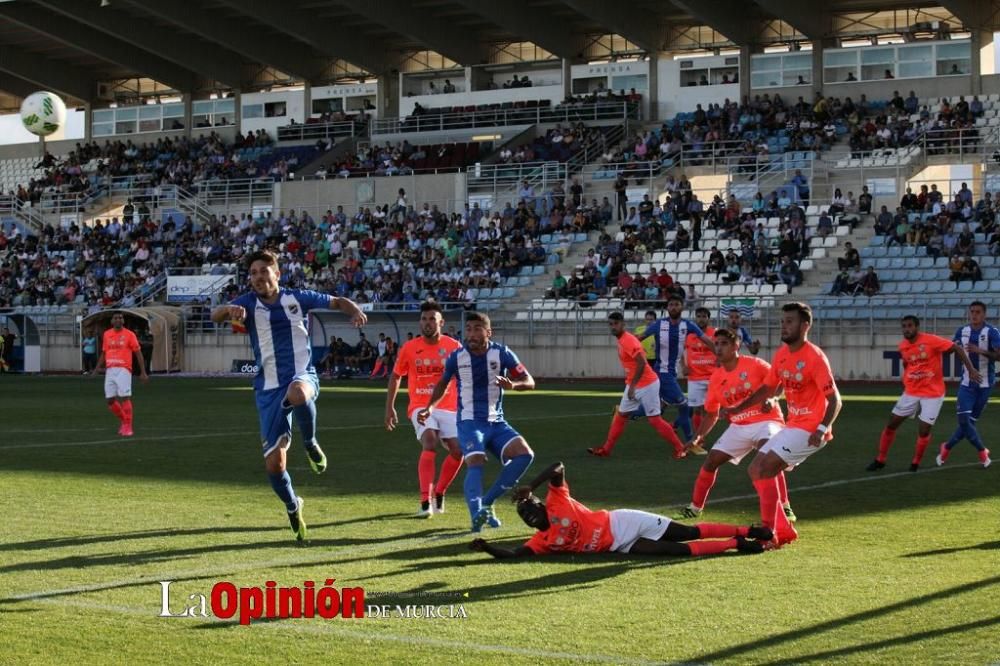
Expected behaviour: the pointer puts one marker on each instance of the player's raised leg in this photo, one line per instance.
(301, 399)
(515, 455)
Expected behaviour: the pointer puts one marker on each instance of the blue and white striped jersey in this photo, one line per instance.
(744, 335)
(479, 397)
(279, 334)
(670, 339)
(987, 338)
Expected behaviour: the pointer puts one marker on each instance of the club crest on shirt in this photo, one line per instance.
(294, 309)
(743, 375)
(800, 365)
(494, 366)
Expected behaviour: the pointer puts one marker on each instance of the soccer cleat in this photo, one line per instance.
(297, 522)
(760, 532)
(914, 467)
(126, 431)
(697, 450)
(875, 466)
(942, 454)
(479, 521)
(121, 429)
(787, 537)
(749, 546)
(984, 458)
(680, 454)
(425, 510)
(789, 514)
(317, 459)
(690, 511)
(439, 504)
(599, 452)
(491, 517)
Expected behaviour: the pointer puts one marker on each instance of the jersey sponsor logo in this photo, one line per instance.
(799, 411)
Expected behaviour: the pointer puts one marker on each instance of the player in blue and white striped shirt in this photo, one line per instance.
(484, 370)
(982, 342)
(736, 326)
(670, 334)
(286, 382)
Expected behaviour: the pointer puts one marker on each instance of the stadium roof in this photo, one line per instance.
(188, 45)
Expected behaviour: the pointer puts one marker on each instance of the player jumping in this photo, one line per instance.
(736, 378)
(286, 384)
(484, 370)
(982, 343)
(813, 405)
(923, 388)
(642, 389)
(566, 526)
(421, 360)
(117, 348)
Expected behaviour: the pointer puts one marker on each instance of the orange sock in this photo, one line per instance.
(696, 420)
(127, 412)
(884, 443)
(116, 409)
(702, 485)
(699, 548)
(782, 489)
(449, 470)
(771, 513)
(720, 531)
(618, 423)
(666, 432)
(425, 473)
(918, 453)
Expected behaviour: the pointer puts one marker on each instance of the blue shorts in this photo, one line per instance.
(972, 400)
(482, 436)
(670, 390)
(275, 420)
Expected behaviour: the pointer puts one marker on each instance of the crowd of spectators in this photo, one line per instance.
(903, 121)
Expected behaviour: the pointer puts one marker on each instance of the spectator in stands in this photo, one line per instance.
(888, 74)
(965, 244)
(824, 227)
(621, 185)
(869, 285)
(841, 284)
(790, 273)
(970, 271)
(994, 243)
(559, 283)
(839, 203)
(850, 259)
(802, 185)
(449, 87)
(864, 201)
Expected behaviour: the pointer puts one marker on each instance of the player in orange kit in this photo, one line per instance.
(567, 526)
(923, 388)
(118, 346)
(699, 364)
(736, 378)
(813, 405)
(642, 389)
(421, 361)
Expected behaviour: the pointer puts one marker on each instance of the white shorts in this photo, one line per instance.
(117, 383)
(628, 526)
(739, 440)
(442, 420)
(791, 445)
(930, 408)
(697, 390)
(648, 397)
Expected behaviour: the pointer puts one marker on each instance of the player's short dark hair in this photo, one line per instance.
(478, 317)
(805, 312)
(616, 316)
(650, 312)
(727, 334)
(268, 257)
(913, 318)
(430, 306)
(703, 310)
(675, 298)
(979, 303)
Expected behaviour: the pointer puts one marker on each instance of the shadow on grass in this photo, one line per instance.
(986, 545)
(812, 631)
(71, 542)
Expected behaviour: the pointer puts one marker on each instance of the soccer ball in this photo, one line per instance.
(43, 113)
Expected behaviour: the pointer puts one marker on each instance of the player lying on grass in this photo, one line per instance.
(565, 525)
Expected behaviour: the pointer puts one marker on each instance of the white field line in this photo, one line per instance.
(218, 433)
(397, 544)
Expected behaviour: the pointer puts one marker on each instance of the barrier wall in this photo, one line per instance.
(446, 190)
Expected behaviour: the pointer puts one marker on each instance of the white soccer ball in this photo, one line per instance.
(43, 113)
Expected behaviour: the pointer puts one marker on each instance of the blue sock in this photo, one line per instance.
(305, 416)
(282, 484)
(508, 478)
(971, 433)
(474, 488)
(684, 421)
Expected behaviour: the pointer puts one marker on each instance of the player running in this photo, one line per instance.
(699, 364)
(484, 370)
(736, 326)
(923, 388)
(566, 526)
(286, 384)
(736, 378)
(982, 343)
(118, 346)
(421, 360)
(642, 390)
(813, 405)
(671, 334)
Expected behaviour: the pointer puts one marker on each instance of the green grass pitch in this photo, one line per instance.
(891, 567)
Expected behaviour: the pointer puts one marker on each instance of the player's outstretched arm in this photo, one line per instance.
(554, 474)
(224, 313)
(482, 546)
(349, 308)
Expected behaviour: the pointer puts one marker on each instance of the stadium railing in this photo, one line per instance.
(316, 131)
(437, 122)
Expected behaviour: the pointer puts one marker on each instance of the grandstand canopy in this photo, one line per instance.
(196, 45)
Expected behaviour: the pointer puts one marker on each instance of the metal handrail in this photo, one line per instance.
(331, 130)
(506, 117)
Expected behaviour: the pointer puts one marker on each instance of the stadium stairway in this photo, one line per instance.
(825, 268)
